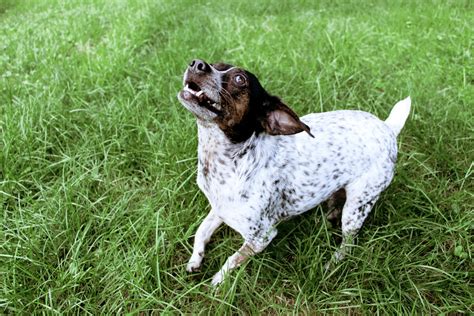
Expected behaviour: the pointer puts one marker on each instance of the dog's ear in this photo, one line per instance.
(279, 119)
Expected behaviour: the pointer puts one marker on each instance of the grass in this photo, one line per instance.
(98, 159)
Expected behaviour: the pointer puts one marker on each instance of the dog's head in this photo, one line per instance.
(233, 99)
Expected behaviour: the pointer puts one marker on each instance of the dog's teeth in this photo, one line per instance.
(186, 88)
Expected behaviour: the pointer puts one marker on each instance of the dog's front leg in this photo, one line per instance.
(249, 248)
(202, 237)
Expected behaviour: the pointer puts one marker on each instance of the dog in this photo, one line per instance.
(260, 164)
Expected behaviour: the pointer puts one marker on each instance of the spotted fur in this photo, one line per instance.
(259, 164)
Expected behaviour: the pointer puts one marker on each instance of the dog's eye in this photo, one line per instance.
(239, 79)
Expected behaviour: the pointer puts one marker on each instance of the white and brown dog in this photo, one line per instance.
(259, 164)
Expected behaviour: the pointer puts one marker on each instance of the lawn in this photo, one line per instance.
(98, 158)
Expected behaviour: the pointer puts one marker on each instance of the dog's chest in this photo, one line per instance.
(252, 182)
(235, 179)
(216, 172)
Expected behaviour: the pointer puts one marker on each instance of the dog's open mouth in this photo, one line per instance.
(202, 99)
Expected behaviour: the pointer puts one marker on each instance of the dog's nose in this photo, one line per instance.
(199, 66)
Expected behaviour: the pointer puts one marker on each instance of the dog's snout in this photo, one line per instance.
(199, 66)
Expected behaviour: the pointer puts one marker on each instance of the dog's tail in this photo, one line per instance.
(399, 115)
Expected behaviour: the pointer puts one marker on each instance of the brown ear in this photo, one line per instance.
(281, 120)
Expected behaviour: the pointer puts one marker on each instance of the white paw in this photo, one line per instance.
(193, 266)
(329, 266)
(217, 279)
(335, 259)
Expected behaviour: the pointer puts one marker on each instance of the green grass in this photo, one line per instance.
(98, 158)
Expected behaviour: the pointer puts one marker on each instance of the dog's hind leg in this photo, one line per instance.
(360, 199)
(353, 217)
(202, 237)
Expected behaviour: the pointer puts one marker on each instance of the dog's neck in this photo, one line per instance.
(215, 148)
(212, 139)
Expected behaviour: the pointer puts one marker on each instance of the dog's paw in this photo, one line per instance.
(217, 279)
(193, 266)
(333, 262)
(329, 266)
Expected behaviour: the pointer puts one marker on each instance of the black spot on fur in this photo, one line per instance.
(243, 153)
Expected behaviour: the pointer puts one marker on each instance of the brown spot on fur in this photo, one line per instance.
(206, 162)
(234, 122)
(205, 170)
